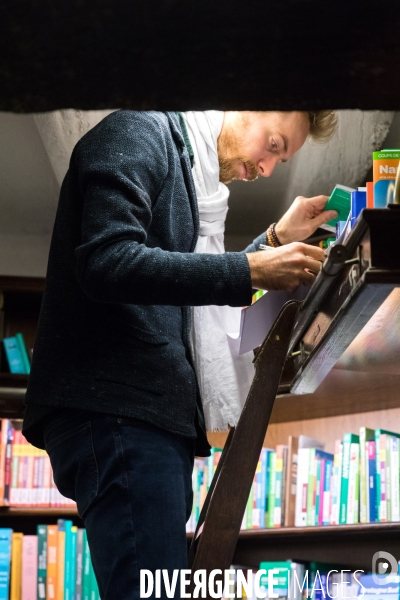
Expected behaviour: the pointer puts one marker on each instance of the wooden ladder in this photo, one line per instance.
(217, 531)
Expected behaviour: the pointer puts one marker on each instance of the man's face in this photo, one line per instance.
(252, 143)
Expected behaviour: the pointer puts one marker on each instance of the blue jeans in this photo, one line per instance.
(132, 483)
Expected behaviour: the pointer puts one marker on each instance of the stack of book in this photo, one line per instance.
(299, 484)
(55, 564)
(26, 477)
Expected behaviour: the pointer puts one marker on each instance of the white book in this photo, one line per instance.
(305, 443)
(394, 478)
(352, 498)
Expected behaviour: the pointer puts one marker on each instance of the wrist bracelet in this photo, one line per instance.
(272, 238)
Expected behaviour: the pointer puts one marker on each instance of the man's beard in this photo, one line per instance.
(230, 152)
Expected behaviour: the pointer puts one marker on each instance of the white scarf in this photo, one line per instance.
(224, 379)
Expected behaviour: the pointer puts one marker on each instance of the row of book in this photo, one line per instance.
(55, 564)
(299, 484)
(26, 477)
(318, 581)
(18, 357)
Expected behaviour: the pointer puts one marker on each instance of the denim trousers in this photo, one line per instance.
(132, 483)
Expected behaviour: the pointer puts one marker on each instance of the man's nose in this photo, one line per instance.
(266, 166)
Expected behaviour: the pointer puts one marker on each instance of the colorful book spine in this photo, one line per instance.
(257, 509)
(86, 580)
(312, 487)
(5, 560)
(271, 492)
(42, 562)
(52, 546)
(319, 505)
(382, 471)
(372, 505)
(394, 479)
(278, 485)
(302, 487)
(74, 536)
(13, 354)
(23, 352)
(366, 435)
(79, 564)
(4, 432)
(68, 592)
(348, 439)
(326, 506)
(16, 567)
(60, 559)
(353, 489)
(29, 567)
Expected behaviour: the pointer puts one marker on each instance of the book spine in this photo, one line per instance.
(4, 431)
(363, 477)
(5, 560)
(7, 469)
(74, 535)
(16, 566)
(291, 485)
(24, 353)
(86, 582)
(301, 492)
(13, 354)
(249, 508)
(29, 567)
(321, 488)
(337, 482)
(267, 484)
(311, 491)
(387, 478)
(263, 484)
(345, 479)
(42, 562)
(15, 453)
(382, 457)
(352, 499)
(373, 509)
(256, 523)
(278, 486)
(67, 560)
(394, 479)
(378, 473)
(60, 559)
(79, 565)
(52, 545)
(285, 480)
(327, 493)
(272, 487)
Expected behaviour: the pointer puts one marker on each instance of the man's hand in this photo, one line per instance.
(303, 218)
(286, 267)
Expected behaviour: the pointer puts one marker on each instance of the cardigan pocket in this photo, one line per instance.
(131, 356)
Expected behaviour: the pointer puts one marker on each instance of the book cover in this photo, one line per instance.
(394, 479)
(339, 200)
(86, 580)
(366, 435)
(353, 488)
(291, 481)
(5, 562)
(272, 487)
(13, 354)
(79, 564)
(348, 439)
(42, 562)
(29, 567)
(60, 559)
(16, 566)
(52, 544)
(24, 353)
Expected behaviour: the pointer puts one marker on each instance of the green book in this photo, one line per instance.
(271, 491)
(42, 562)
(281, 579)
(24, 353)
(72, 581)
(348, 439)
(366, 435)
(311, 487)
(86, 579)
(339, 200)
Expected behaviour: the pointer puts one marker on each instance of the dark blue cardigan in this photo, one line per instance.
(114, 327)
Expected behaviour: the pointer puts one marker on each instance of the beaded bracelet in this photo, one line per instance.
(272, 238)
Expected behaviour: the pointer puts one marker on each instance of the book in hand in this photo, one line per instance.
(339, 200)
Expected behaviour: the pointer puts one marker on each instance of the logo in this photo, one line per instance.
(384, 568)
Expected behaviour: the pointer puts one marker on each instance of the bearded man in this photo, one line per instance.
(113, 394)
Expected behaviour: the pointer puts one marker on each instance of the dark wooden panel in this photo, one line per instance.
(172, 54)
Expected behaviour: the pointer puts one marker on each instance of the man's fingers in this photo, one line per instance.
(312, 265)
(324, 217)
(306, 278)
(319, 201)
(313, 251)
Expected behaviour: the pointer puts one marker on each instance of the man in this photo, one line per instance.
(113, 394)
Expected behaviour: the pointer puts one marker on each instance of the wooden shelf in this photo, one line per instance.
(350, 546)
(6, 511)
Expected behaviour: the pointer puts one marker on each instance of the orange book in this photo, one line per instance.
(52, 544)
(370, 194)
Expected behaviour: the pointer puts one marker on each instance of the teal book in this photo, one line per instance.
(348, 439)
(272, 488)
(366, 435)
(5, 562)
(74, 535)
(67, 561)
(24, 353)
(340, 200)
(79, 565)
(42, 562)
(86, 578)
(14, 358)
